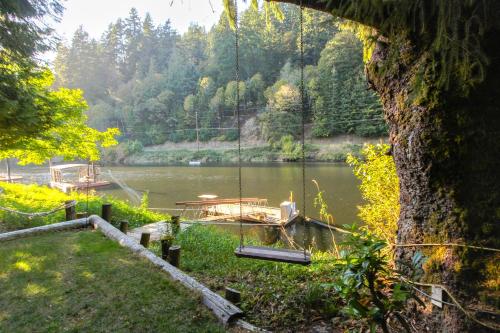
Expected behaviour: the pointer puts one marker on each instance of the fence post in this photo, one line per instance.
(70, 210)
(106, 212)
(145, 239)
(124, 226)
(174, 254)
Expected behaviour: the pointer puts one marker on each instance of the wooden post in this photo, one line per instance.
(124, 226)
(145, 239)
(70, 211)
(176, 225)
(106, 212)
(233, 295)
(165, 247)
(174, 255)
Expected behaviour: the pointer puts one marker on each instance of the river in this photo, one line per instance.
(168, 184)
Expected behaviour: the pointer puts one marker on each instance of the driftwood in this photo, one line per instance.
(225, 311)
(75, 224)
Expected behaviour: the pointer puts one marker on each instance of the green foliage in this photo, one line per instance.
(368, 284)
(133, 147)
(34, 198)
(343, 104)
(150, 82)
(454, 32)
(289, 149)
(24, 34)
(69, 137)
(380, 189)
(282, 117)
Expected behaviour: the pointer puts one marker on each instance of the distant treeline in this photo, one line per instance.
(152, 82)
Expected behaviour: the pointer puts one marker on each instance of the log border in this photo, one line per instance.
(225, 311)
(74, 224)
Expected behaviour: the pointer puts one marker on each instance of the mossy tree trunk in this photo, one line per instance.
(447, 154)
(446, 145)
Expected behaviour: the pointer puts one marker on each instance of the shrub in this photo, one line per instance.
(380, 188)
(133, 147)
(290, 150)
(371, 288)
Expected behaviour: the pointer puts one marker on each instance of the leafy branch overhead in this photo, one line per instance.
(69, 137)
(452, 30)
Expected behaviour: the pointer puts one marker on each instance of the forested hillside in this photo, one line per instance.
(153, 83)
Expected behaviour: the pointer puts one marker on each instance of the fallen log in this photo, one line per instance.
(224, 310)
(75, 224)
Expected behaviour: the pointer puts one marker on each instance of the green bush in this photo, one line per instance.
(371, 288)
(380, 188)
(133, 147)
(289, 149)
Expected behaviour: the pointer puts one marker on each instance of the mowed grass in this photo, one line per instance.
(83, 282)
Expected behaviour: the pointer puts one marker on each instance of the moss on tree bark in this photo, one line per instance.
(447, 153)
(446, 140)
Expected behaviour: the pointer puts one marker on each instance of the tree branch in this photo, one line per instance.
(370, 13)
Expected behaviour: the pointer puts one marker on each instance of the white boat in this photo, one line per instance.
(194, 163)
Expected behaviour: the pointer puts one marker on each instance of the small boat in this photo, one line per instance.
(87, 177)
(194, 163)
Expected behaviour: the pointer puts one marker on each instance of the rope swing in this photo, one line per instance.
(259, 252)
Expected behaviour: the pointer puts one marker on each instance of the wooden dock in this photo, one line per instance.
(252, 210)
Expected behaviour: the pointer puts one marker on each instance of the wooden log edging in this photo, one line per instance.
(74, 224)
(224, 310)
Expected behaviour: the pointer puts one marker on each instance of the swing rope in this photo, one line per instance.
(303, 120)
(303, 124)
(237, 60)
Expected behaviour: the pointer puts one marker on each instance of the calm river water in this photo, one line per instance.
(168, 184)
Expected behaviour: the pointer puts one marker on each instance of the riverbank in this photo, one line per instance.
(319, 150)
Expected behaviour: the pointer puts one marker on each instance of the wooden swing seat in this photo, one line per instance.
(271, 254)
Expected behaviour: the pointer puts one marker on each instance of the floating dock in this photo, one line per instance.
(87, 177)
(252, 210)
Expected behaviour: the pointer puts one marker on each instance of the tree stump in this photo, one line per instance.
(176, 225)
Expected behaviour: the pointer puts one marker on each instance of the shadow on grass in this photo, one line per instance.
(81, 281)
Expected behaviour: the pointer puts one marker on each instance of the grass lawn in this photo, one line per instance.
(81, 281)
